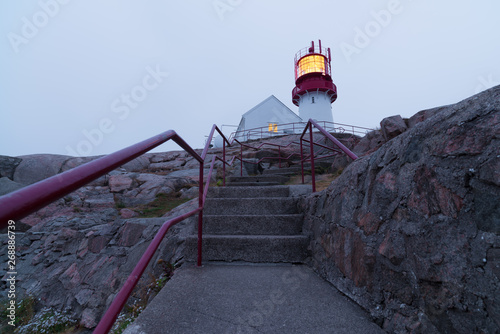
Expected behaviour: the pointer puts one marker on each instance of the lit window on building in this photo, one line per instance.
(273, 127)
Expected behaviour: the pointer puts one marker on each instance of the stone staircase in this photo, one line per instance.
(253, 278)
(253, 219)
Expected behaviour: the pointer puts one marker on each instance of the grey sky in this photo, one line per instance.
(194, 63)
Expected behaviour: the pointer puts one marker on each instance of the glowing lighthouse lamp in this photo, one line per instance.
(314, 90)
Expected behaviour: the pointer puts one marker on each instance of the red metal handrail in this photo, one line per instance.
(21, 203)
(121, 298)
(279, 158)
(258, 133)
(341, 149)
(334, 140)
(109, 318)
(25, 201)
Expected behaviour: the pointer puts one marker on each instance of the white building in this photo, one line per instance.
(265, 119)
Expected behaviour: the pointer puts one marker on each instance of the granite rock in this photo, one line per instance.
(392, 126)
(8, 166)
(411, 231)
(36, 167)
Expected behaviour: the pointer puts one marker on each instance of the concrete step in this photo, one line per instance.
(325, 163)
(220, 298)
(246, 191)
(287, 174)
(249, 248)
(259, 178)
(252, 225)
(252, 184)
(250, 206)
(282, 171)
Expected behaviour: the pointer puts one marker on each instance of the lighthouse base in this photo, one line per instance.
(316, 105)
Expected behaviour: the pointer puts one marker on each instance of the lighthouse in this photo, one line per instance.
(314, 90)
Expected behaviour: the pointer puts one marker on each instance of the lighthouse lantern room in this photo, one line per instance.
(314, 90)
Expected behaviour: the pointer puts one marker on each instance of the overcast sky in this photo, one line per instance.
(91, 77)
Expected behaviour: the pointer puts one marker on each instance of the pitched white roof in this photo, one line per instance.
(272, 104)
(271, 110)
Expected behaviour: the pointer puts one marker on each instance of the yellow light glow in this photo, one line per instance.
(273, 127)
(311, 64)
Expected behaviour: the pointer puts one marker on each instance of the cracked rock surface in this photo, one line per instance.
(411, 231)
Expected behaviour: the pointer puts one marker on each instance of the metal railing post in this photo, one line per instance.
(301, 160)
(335, 141)
(200, 214)
(108, 319)
(279, 156)
(312, 157)
(224, 163)
(241, 160)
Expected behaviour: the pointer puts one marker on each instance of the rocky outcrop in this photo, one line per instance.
(369, 143)
(393, 126)
(412, 231)
(7, 186)
(133, 189)
(34, 168)
(8, 166)
(77, 264)
(424, 114)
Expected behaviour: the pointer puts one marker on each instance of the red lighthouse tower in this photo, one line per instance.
(314, 90)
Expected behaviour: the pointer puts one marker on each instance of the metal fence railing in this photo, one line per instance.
(23, 202)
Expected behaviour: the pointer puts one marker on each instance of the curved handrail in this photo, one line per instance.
(334, 140)
(116, 306)
(25, 201)
(109, 318)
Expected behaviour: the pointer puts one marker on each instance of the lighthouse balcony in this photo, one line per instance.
(314, 85)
